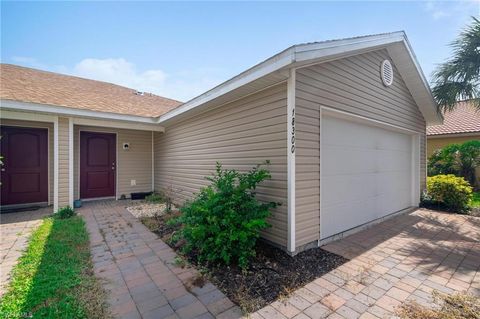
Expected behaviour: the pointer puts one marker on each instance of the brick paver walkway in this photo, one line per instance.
(15, 229)
(404, 258)
(139, 270)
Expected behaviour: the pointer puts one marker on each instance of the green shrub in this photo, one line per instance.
(154, 198)
(449, 192)
(64, 212)
(223, 222)
(458, 159)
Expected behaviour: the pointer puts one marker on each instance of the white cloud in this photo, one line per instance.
(434, 9)
(181, 85)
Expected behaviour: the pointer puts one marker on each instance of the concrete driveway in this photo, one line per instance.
(404, 258)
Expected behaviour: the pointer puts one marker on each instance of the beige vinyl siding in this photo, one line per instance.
(352, 85)
(48, 126)
(134, 163)
(240, 135)
(63, 162)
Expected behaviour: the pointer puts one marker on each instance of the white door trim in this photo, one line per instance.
(49, 155)
(117, 163)
(339, 113)
(70, 161)
(55, 164)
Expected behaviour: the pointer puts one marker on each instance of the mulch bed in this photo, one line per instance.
(272, 273)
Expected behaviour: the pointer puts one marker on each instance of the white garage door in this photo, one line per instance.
(366, 173)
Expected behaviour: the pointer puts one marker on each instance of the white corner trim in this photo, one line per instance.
(55, 164)
(320, 191)
(291, 245)
(70, 161)
(153, 162)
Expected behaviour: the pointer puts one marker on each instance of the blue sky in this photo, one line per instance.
(180, 50)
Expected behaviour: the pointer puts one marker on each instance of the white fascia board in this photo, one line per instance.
(118, 124)
(68, 111)
(327, 49)
(271, 65)
(415, 80)
(453, 135)
(26, 116)
(429, 95)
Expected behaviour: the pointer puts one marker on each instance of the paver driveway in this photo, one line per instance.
(15, 229)
(139, 270)
(404, 258)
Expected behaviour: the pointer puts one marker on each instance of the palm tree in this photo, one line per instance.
(459, 77)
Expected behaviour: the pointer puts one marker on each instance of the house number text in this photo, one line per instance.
(292, 138)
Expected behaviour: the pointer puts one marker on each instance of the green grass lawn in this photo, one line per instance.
(54, 277)
(476, 199)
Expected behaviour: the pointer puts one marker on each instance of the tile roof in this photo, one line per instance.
(36, 86)
(464, 119)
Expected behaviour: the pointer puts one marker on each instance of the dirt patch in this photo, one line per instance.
(457, 305)
(272, 273)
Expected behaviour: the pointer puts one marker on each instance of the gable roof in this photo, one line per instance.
(463, 119)
(276, 69)
(35, 86)
(49, 92)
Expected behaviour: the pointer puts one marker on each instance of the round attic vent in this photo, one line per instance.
(387, 73)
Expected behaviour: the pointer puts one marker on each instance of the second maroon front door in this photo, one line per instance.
(97, 164)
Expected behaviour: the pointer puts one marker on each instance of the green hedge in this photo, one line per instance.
(449, 192)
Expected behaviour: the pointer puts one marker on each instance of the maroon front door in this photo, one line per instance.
(25, 165)
(97, 164)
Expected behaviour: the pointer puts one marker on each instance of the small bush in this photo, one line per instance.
(169, 194)
(449, 192)
(64, 212)
(223, 222)
(155, 198)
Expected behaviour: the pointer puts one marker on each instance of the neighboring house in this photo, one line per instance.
(342, 122)
(460, 125)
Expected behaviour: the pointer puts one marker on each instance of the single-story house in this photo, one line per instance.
(459, 126)
(342, 122)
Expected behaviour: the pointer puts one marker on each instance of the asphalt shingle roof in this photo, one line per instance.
(36, 86)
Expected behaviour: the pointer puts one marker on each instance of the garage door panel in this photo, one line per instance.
(338, 160)
(391, 160)
(354, 187)
(366, 174)
(343, 219)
